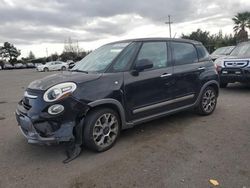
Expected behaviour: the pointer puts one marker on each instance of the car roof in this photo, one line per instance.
(156, 39)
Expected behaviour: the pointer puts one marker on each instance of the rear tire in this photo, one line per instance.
(223, 85)
(101, 129)
(63, 68)
(208, 101)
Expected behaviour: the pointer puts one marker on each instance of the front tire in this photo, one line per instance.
(101, 129)
(207, 102)
(63, 68)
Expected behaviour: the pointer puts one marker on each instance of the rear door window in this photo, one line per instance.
(184, 53)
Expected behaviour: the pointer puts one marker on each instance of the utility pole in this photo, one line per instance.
(169, 25)
(47, 52)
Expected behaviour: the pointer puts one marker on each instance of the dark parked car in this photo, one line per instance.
(236, 67)
(116, 87)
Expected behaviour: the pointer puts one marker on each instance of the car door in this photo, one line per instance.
(146, 92)
(57, 65)
(51, 66)
(186, 72)
(60, 65)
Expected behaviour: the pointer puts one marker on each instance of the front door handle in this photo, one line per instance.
(165, 75)
(201, 68)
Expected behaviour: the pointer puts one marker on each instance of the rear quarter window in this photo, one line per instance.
(203, 54)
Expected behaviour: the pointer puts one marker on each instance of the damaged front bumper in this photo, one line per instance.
(34, 136)
(40, 127)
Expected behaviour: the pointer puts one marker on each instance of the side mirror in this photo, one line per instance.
(143, 64)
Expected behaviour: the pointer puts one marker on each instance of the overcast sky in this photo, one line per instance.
(39, 24)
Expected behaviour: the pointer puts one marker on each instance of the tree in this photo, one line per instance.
(220, 40)
(211, 42)
(72, 51)
(31, 56)
(242, 22)
(71, 46)
(54, 56)
(202, 36)
(8, 51)
(198, 35)
(68, 56)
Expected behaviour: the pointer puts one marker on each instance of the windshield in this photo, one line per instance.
(223, 50)
(100, 59)
(242, 49)
(219, 51)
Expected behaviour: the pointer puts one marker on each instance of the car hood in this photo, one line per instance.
(232, 58)
(237, 57)
(40, 65)
(49, 81)
(217, 56)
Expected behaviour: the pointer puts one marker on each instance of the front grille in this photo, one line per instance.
(46, 129)
(29, 97)
(236, 64)
(25, 105)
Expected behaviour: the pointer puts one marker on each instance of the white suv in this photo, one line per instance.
(53, 65)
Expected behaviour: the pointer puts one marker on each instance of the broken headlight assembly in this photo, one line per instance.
(59, 91)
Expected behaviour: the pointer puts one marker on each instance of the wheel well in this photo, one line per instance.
(108, 105)
(215, 86)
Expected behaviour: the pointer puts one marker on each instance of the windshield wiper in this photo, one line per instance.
(77, 70)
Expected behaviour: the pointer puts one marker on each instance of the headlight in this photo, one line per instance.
(59, 91)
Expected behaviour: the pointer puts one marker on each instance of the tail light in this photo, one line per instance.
(217, 67)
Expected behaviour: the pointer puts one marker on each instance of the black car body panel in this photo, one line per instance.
(136, 96)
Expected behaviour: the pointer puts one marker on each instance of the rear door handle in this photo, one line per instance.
(201, 68)
(165, 75)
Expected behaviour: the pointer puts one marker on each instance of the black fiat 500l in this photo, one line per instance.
(115, 87)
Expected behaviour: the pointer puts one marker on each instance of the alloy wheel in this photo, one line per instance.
(209, 101)
(105, 130)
